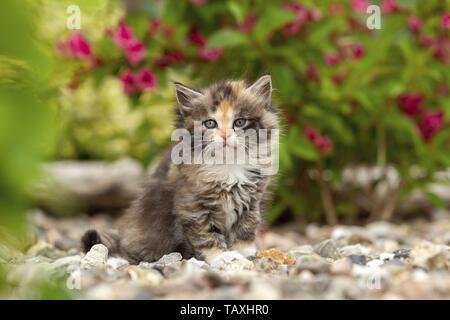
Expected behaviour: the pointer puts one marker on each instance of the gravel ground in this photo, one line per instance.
(377, 261)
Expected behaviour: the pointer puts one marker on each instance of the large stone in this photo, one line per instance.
(96, 257)
(430, 256)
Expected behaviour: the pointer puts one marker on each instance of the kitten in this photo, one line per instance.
(201, 209)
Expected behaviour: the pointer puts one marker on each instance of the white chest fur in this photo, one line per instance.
(234, 198)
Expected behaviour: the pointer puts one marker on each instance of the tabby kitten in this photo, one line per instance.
(201, 209)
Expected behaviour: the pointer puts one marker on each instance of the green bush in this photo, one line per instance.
(348, 95)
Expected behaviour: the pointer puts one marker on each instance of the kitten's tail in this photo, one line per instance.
(93, 237)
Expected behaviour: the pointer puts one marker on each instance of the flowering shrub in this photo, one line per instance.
(348, 95)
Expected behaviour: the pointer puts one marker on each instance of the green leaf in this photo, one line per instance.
(236, 10)
(272, 19)
(226, 39)
(305, 150)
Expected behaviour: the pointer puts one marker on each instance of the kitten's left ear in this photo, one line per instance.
(185, 97)
(262, 87)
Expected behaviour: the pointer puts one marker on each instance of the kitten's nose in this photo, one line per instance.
(225, 136)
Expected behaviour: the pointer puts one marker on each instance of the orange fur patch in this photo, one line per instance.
(225, 107)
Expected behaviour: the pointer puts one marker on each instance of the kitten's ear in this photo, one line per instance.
(262, 87)
(185, 96)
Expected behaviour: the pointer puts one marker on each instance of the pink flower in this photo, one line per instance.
(312, 73)
(196, 38)
(389, 6)
(442, 50)
(311, 134)
(358, 51)
(414, 24)
(169, 58)
(410, 103)
(211, 54)
(146, 79)
(430, 123)
(427, 41)
(168, 31)
(322, 142)
(155, 25)
(335, 9)
(135, 52)
(128, 81)
(445, 21)
(79, 46)
(198, 3)
(123, 36)
(359, 5)
(314, 14)
(337, 78)
(330, 58)
(302, 16)
(247, 25)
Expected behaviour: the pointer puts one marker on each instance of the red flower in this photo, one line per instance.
(79, 46)
(389, 6)
(314, 15)
(442, 50)
(123, 36)
(128, 81)
(335, 9)
(247, 25)
(155, 25)
(322, 142)
(198, 3)
(427, 41)
(358, 51)
(168, 31)
(302, 16)
(410, 103)
(414, 24)
(135, 52)
(169, 58)
(337, 78)
(196, 38)
(430, 123)
(359, 5)
(311, 134)
(445, 21)
(312, 73)
(211, 54)
(330, 58)
(146, 79)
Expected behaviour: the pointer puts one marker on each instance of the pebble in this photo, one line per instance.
(327, 249)
(96, 257)
(358, 259)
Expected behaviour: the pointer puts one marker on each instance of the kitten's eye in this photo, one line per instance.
(239, 123)
(210, 124)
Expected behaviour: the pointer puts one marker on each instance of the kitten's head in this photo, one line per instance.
(227, 108)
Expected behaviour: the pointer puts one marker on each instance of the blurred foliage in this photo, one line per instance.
(27, 130)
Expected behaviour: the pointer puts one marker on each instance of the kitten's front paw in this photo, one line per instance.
(211, 253)
(245, 248)
(230, 260)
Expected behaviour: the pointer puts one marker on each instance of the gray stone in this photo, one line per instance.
(358, 259)
(327, 249)
(170, 258)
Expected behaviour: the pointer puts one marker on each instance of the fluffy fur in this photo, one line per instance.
(198, 209)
